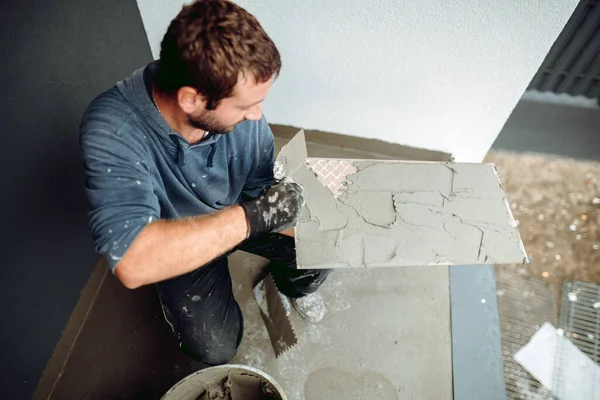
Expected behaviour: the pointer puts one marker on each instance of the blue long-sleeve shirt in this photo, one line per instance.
(139, 170)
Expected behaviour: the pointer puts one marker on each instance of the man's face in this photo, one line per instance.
(244, 104)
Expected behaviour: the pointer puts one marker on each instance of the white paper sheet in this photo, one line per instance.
(560, 366)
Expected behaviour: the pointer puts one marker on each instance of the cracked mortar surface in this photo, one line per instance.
(407, 214)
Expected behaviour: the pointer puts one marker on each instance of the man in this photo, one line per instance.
(179, 163)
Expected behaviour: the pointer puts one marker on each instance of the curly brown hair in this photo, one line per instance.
(209, 44)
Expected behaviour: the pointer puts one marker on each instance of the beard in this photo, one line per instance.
(208, 123)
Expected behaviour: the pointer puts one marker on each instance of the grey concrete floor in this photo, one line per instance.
(386, 335)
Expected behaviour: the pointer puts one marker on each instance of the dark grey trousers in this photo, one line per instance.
(202, 311)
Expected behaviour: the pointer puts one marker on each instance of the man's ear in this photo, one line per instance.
(190, 100)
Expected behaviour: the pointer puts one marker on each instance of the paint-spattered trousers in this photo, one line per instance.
(202, 310)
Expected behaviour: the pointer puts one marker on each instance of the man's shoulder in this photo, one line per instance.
(110, 126)
(107, 112)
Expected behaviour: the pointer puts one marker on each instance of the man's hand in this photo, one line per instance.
(276, 209)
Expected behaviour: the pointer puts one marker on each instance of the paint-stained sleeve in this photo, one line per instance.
(120, 191)
(262, 174)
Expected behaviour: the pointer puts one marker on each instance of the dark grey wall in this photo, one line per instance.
(57, 56)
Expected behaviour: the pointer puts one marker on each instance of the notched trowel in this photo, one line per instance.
(274, 307)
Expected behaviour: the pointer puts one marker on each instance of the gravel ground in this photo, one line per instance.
(557, 203)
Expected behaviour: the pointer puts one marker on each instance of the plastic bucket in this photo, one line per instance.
(248, 380)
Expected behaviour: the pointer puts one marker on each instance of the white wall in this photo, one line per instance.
(431, 74)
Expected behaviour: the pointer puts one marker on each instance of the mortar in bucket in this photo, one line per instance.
(229, 382)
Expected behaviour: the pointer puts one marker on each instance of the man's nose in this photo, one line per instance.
(255, 112)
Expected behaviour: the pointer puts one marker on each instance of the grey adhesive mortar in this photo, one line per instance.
(291, 156)
(397, 213)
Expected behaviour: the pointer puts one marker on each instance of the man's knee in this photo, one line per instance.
(211, 352)
(212, 346)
